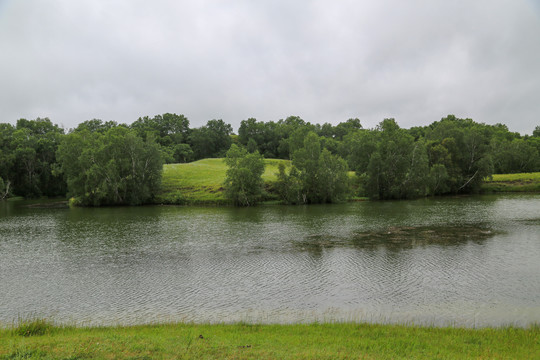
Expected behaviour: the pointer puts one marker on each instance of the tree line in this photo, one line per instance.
(102, 163)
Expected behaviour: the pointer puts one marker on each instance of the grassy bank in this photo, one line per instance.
(201, 182)
(524, 182)
(244, 341)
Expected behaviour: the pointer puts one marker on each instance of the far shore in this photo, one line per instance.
(200, 183)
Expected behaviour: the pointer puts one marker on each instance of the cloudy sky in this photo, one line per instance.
(325, 61)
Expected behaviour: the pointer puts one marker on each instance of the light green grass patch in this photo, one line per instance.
(522, 182)
(523, 177)
(201, 182)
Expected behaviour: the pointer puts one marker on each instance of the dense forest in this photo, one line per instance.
(104, 163)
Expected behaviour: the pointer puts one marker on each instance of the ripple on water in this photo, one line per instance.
(459, 261)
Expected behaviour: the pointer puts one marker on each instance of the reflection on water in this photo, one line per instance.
(399, 238)
(469, 261)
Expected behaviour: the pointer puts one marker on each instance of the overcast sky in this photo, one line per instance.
(325, 61)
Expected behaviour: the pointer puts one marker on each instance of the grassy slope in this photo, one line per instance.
(201, 182)
(524, 182)
(243, 341)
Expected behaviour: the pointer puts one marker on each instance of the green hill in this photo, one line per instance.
(524, 182)
(201, 182)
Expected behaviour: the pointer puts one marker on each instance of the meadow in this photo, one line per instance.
(521, 182)
(201, 182)
(253, 341)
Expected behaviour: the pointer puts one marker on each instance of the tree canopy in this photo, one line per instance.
(92, 161)
(316, 176)
(110, 168)
(244, 183)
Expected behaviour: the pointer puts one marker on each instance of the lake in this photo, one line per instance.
(464, 261)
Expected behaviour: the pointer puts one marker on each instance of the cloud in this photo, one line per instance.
(416, 61)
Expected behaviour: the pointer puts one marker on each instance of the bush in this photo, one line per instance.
(244, 183)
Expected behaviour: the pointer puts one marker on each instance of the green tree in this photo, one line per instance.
(438, 177)
(244, 183)
(357, 148)
(110, 168)
(398, 168)
(515, 156)
(168, 129)
(251, 145)
(171, 131)
(182, 153)
(211, 140)
(317, 176)
(33, 158)
(7, 157)
(289, 186)
(332, 178)
(96, 125)
(344, 128)
(3, 193)
(468, 157)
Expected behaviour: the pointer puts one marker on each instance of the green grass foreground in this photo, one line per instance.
(201, 182)
(523, 182)
(245, 341)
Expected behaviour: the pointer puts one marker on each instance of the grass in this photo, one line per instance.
(253, 341)
(201, 182)
(32, 327)
(523, 182)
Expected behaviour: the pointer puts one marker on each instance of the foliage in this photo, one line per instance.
(398, 168)
(168, 129)
(289, 186)
(264, 136)
(357, 148)
(29, 156)
(6, 150)
(514, 156)
(2, 189)
(467, 157)
(211, 140)
(389, 162)
(96, 125)
(536, 131)
(317, 176)
(244, 183)
(171, 131)
(110, 168)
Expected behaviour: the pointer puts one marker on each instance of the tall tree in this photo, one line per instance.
(34, 144)
(398, 168)
(244, 183)
(211, 140)
(317, 176)
(468, 147)
(110, 168)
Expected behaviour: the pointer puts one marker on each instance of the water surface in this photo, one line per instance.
(467, 261)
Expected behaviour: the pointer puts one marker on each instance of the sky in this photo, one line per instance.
(325, 61)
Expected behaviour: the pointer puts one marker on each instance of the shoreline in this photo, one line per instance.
(192, 189)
